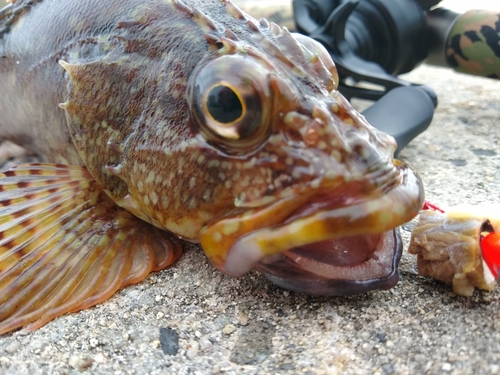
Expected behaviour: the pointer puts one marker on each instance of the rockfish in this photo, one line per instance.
(163, 121)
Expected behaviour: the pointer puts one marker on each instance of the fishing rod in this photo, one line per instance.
(374, 41)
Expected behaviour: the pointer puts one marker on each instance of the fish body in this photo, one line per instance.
(185, 120)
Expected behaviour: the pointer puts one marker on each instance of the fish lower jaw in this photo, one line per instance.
(371, 217)
(340, 266)
(307, 271)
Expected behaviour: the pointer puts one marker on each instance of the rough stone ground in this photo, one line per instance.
(213, 324)
(190, 319)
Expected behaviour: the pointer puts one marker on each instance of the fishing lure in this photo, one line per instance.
(490, 248)
(460, 246)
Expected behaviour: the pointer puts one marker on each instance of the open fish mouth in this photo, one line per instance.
(342, 266)
(320, 244)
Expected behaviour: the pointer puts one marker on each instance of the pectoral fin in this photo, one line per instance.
(65, 245)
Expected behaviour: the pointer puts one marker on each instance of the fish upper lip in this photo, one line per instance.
(382, 213)
(373, 186)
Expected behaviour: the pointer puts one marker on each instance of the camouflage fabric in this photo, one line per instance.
(473, 45)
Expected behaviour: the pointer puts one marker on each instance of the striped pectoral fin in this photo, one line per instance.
(65, 245)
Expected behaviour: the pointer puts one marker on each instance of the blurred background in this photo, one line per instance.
(419, 327)
(279, 10)
(457, 5)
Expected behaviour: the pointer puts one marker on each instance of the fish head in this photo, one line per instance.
(231, 132)
(315, 192)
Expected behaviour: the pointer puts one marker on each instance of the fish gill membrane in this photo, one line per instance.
(184, 120)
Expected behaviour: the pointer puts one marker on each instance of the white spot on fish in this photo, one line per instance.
(192, 204)
(330, 174)
(200, 159)
(154, 197)
(183, 146)
(217, 237)
(150, 178)
(164, 201)
(230, 227)
(213, 163)
(236, 176)
(315, 183)
(245, 182)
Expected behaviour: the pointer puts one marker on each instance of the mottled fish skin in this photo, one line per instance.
(155, 43)
(128, 64)
(127, 89)
(33, 83)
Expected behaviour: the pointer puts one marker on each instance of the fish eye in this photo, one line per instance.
(224, 104)
(231, 111)
(230, 102)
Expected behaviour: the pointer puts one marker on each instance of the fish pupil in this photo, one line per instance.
(224, 105)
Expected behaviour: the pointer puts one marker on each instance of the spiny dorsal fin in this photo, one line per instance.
(65, 245)
(253, 27)
(264, 23)
(205, 23)
(233, 10)
(231, 35)
(6, 19)
(181, 6)
(229, 45)
(213, 41)
(275, 29)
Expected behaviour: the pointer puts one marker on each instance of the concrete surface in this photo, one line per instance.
(190, 319)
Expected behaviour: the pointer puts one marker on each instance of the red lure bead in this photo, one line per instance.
(490, 247)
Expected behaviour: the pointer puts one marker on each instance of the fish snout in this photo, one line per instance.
(332, 230)
(339, 146)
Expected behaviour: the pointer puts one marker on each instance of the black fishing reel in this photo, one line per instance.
(373, 41)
